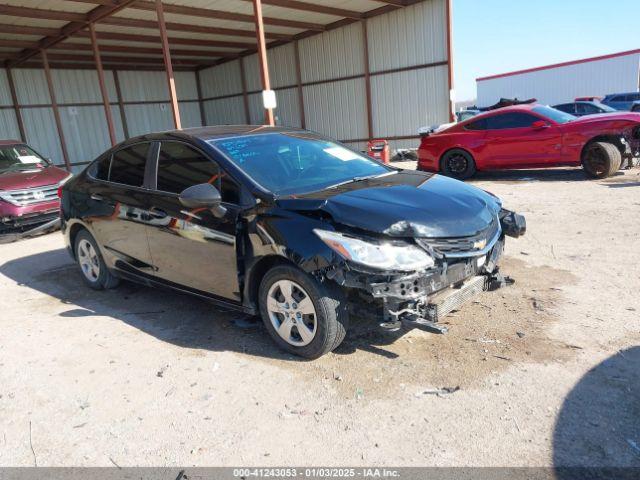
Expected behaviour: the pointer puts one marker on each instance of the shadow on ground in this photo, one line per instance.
(599, 423)
(569, 174)
(168, 315)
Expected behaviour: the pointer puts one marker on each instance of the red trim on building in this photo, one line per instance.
(564, 64)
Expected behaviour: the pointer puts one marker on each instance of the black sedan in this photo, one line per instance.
(582, 108)
(286, 224)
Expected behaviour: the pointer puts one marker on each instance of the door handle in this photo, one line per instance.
(157, 213)
(97, 197)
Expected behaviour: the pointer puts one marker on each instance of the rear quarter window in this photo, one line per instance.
(100, 169)
(128, 164)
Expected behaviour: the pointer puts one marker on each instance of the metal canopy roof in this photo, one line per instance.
(201, 32)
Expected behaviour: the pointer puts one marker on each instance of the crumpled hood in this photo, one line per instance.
(32, 178)
(407, 204)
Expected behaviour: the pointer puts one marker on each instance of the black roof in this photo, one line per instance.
(213, 132)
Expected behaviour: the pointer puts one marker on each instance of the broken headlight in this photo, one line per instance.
(384, 256)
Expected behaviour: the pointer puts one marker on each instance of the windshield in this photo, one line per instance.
(553, 114)
(606, 108)
(16, 158)
(287, 163)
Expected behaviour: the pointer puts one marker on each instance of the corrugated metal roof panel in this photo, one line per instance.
(225, 111)
(282, 68)
(402, 102)
(333, 54)
(31, 86)
(201, 21)
(287, 112)
(337, 109)
(42, 133)
(81, 86)
(221, 80)
(410, 36)
(86, 133)
(152, 86)
(8, 125)
(57, 5)
(5, 94)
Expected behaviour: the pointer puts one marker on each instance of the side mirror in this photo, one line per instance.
(203, 195)
(539, 125)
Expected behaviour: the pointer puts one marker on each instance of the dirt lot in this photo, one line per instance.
(548, 369)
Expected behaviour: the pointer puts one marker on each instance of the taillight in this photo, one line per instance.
(60, 192)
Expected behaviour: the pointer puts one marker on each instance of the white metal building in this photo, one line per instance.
(563, 82)
(382, 72)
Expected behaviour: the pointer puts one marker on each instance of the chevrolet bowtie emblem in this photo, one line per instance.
(479, 245)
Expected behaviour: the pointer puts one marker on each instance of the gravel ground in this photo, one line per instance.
(543, 373)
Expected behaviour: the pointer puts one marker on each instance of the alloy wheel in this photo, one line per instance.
(457, 163)
(88, 260)
(292, 313)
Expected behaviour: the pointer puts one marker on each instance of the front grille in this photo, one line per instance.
(471, 246)
(29, 196)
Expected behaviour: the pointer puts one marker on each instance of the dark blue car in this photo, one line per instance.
(623, 101)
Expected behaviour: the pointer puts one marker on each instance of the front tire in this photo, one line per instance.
(93, 269)
(303, 316)
(601, 159)
(458, 164)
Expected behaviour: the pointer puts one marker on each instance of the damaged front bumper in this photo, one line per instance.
(13, 229)
(422, 299)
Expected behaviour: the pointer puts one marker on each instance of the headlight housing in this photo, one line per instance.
(383, 256)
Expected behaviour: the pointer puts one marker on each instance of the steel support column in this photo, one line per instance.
(103, 86)
(296, 49)
(123, 113)
(450, 62)
(166, 53)
(56, 111)
(16, 105)
(367, 79)
(262, 56)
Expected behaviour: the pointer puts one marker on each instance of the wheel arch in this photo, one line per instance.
(72, 231)
(464, 149)
(259, 270)
(607, 138)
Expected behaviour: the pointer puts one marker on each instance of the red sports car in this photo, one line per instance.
(532, 136)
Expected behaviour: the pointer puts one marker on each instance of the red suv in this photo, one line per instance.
(29, 185)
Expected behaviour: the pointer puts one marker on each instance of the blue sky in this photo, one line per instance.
(497, 36)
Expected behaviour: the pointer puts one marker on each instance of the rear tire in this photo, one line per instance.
(458, 164)
(601, 159)
(93, 269)
(285, 292)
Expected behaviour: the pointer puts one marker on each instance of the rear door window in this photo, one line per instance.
(510, 120)
(587, 109)
(100, 169)
(566, 107)
(477, 125)
(128, 165)
(181, 166)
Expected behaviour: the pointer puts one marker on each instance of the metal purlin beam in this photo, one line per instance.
(367, 79)
(450, 60)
